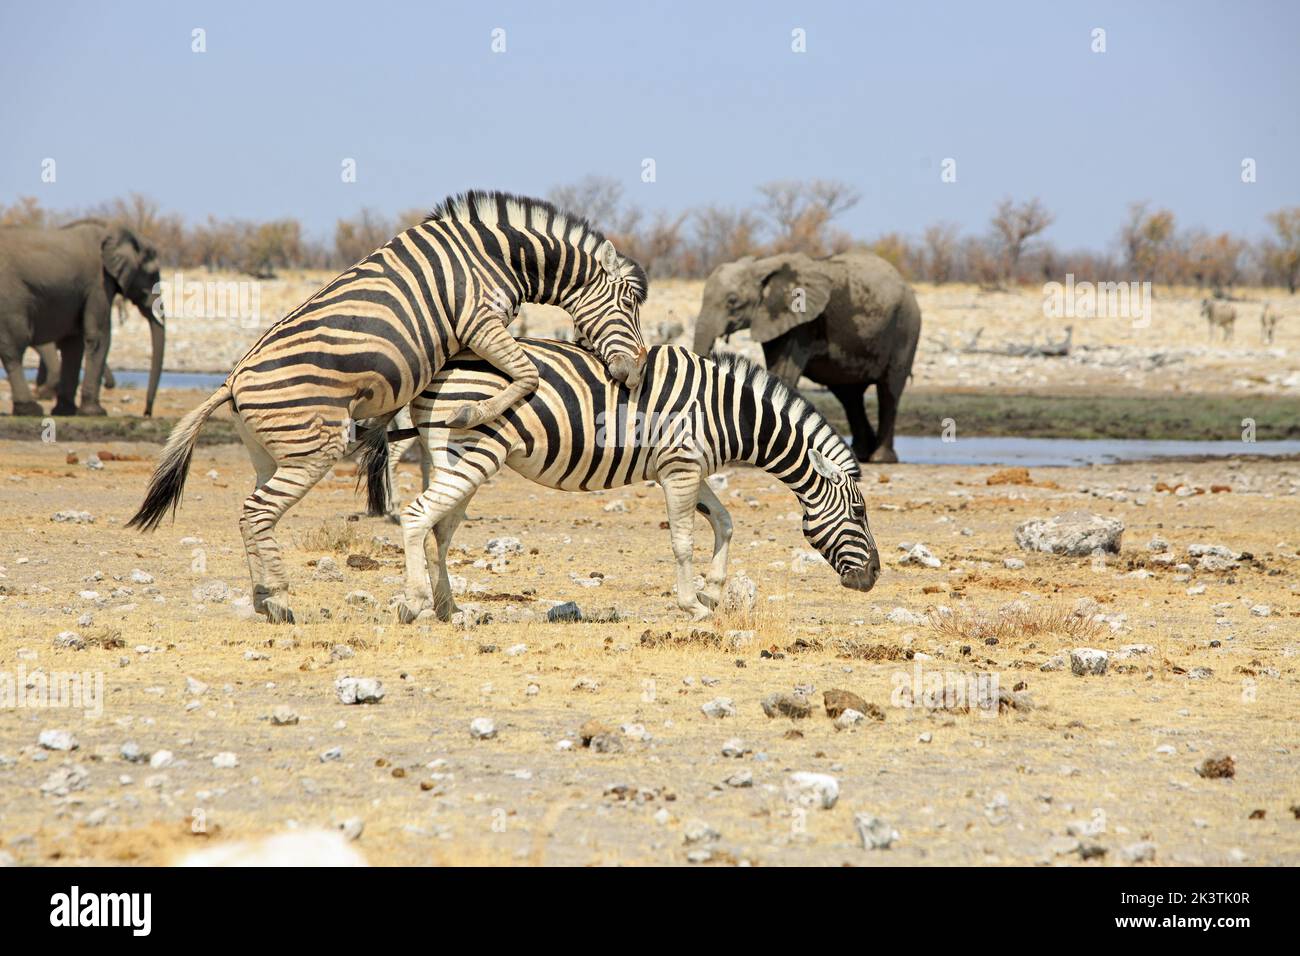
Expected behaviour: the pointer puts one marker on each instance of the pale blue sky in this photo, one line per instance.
(258, 125)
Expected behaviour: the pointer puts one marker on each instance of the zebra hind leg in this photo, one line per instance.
(492, 341)
(444, 603)
(262, 511)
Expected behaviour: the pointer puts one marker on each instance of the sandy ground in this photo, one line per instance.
(1170, 350)
(1078, 766)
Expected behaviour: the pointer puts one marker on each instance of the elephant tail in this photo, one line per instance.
(168, 481)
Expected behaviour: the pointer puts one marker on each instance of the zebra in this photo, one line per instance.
(1219, 314)
(581, 431)
(373, 338)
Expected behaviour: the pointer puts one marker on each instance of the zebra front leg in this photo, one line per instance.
(720, 521)
(492, 341)
(681, 492)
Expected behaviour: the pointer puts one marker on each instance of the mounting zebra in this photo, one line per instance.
(581, 431)
(371, 340)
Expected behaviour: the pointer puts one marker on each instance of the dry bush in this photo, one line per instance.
(335, 537)
(1012, 621)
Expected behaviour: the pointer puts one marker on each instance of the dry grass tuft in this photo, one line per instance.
(1012, 621)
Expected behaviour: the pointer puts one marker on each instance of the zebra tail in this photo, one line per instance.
(374, 469)
(168, 481)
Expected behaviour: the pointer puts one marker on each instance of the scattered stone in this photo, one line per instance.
(1013, 564)
(741, 778)
(225, 761)
(131, 752)
(1143, 852)
(588, 684)
(283, 716)
(327, 569)
(794, 706)
(568, 611)
(341, 652)
(195, 687)
(1220, 767)
(73, 517)
(697, 831)
(1075, 534)
(161, 759)
(920, 555)
(740, 594)
(735, 748)
(70, 640)
(1261, 610)
(812, 789)
(360, 599)
(482, 728)
(57, 740)
(719, 707)
(849, 718)
(211, 592)
(499, 547)
(359, 690)
(901, 615)
(352, 828)
(838, 701)
(1088, 660)
(334, 753)
(141, 577)
(874, 832)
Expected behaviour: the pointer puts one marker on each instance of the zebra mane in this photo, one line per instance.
(822, 436)
(525, 212)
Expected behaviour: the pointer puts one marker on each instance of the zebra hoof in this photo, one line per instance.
(709, 599)
(464, 417)
(699, 612)
(277, 612)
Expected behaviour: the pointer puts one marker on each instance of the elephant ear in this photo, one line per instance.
(122, 256)
(793, 290)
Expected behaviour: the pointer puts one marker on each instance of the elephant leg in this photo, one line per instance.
(98, 331)
(70, 352)
(47, 373)
(888, 392)
(852, 397)
(24, 402)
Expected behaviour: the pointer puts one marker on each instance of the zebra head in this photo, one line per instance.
(835, 523)
(606, 312)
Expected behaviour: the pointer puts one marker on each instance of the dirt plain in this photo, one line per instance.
(1097, 770)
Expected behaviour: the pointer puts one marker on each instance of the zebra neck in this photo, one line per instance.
(546, 269)
(778, 444)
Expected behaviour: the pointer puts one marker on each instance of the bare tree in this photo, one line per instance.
(1013, 228)
(941, 244)
(799, 213)
(1147, 238)
(598, 199)
(1281, 254)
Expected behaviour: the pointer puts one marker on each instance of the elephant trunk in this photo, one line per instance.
(158, 335)
(707, 330)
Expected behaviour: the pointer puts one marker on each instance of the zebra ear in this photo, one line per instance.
(608, 258)
(823, 465)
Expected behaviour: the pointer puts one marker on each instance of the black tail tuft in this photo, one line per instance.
(374, 469)
(164, 493)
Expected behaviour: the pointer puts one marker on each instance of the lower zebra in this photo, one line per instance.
(581, 431)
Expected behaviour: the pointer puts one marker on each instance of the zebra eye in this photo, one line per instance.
(859, 510)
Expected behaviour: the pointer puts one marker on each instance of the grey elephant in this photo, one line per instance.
(847, 322)
(57, 286)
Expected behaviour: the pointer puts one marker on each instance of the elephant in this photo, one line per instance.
(57, 287)
(847, 321)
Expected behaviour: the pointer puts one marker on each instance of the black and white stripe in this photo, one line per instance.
(373, 339)
(581, 431)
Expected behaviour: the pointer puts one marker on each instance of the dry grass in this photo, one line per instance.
(1016, 621)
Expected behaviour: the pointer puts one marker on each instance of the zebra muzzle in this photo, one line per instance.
(627, 370)
(862, 579)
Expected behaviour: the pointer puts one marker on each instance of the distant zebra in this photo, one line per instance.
(371, 340)
(580, 431)
(1220, 315)
(1268, 323)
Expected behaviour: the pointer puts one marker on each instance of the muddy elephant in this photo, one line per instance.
(848, 321)
(57, 286)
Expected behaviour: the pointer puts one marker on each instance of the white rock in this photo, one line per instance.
(740, 594)
(812, 789)
(719, 707)
(849, 718)
(482, 728)
(504, 546)
(69, 639)
(735, 747)
(1088, 660)
(1075, 533)
(359, 690)
(195, 687)
(72, 517)
(874, 832)
(315, 848)
(919, 554)
(57, 740)
(141, 577)
(1261, 610)
(901, 615)
(1013, 564)
(225, 760)
(161, 759)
